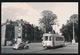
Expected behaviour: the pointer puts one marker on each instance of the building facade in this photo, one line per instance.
(3, 28)
(11, 30)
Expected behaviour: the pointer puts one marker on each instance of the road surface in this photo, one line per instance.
(38, 48)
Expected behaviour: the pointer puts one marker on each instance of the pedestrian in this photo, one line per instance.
(19, 40)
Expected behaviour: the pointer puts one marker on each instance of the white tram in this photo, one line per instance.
(52, 40)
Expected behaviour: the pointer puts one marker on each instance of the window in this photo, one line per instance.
(59, 39)
(46, 37)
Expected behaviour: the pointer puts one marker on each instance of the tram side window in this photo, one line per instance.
(52, 38)
(46, 37)
(59, 39)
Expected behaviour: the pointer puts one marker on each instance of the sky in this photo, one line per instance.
(31, 11)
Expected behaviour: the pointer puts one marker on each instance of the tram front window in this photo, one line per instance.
(46, 38)
(50, 38)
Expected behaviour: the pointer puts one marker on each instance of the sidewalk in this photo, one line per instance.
(70, 44)
(76, 44)
(6, 46)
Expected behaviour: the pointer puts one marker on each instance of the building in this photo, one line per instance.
(11, 30)
(3, 28)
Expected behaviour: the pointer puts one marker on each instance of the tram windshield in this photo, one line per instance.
(49, 38)
(46, 38)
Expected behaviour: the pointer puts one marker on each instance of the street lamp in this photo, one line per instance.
(73, 40)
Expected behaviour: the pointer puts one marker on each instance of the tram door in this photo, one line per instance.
(53, 40)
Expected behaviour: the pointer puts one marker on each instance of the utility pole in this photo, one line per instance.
(73, 40)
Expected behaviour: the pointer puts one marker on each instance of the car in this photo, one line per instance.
(21, 45)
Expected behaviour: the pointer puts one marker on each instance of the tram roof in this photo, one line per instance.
(49, 34)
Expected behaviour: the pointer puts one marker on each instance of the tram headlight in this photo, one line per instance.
(42, 42)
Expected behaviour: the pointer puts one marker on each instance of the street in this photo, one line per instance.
(38, 48)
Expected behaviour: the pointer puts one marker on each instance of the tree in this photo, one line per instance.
(47, 20)
(67, 29)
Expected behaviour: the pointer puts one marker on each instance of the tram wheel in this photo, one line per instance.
(45, 48)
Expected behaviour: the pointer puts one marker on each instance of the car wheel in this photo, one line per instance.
(19, 48)
(26, 47)
(14, 49)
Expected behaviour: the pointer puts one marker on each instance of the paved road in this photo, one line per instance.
(37, 48)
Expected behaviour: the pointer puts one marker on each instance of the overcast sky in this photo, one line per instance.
(31, 11)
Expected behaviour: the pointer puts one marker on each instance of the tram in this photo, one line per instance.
(52, 40)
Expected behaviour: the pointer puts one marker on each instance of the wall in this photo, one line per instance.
(3, 28)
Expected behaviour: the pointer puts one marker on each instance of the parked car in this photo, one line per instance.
(21, 45)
